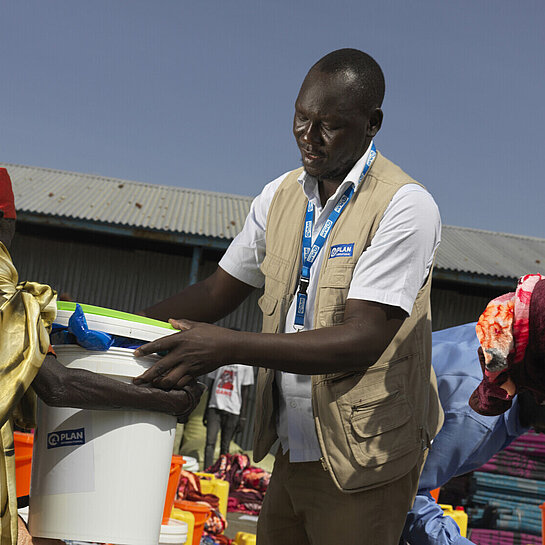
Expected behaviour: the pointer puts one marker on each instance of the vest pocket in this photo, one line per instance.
(269, 307)
(276, 267)
(331, 315)
(339, 275)
(377, 418)
(267, 304)
(381, 431)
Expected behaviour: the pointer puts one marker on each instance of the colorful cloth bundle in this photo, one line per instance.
(247, 484)
(511, 332)
(516, 464)
(256, 478)
(512, 484)
(189, 488)
(230, 467)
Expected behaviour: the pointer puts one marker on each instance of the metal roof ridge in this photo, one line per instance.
(111, 179)
(497, 233)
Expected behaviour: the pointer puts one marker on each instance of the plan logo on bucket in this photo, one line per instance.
(341, 250)
(66, 438)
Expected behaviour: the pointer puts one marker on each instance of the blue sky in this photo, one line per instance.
(200, 94)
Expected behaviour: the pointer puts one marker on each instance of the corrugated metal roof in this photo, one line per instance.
(122, 202)
(112, 201)
(489, 253)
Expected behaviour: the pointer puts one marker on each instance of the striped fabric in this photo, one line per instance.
(498, 537)
(512, 482)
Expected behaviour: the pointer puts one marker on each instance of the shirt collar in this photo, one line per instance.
(310, 183)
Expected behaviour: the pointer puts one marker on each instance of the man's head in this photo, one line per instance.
(337, 112)
(7, 209)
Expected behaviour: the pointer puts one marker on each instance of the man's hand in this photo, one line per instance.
(197, 349)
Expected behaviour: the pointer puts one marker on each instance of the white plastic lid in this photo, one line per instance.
(175, 532)
(191, 464)
(116, 322)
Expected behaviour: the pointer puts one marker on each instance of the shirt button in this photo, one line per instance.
(293, 404)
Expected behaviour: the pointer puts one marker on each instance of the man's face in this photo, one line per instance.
(331, 126)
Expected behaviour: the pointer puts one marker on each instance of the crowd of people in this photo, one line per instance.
(343, 249)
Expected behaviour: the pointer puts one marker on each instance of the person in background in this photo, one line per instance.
(28, 366)
(468, 439)
(227, 407)
(344, 248)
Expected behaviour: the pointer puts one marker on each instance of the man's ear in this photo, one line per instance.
(375, 122)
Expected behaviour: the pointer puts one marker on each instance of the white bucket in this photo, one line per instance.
(173, 533)
(100, 476)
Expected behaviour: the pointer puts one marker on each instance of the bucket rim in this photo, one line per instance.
(195, 506)
(112, 313)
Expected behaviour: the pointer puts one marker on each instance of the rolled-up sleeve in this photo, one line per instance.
(426, 525)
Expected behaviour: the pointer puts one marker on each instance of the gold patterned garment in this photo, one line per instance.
(27, 310)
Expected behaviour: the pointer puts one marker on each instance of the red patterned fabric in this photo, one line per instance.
(508, 347)
(247, 484)
(7, 201)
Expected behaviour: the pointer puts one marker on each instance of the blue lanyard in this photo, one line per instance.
(310, 251)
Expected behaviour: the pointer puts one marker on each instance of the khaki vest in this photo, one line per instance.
(372, 425)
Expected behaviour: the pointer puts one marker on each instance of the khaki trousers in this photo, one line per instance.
(303, 506)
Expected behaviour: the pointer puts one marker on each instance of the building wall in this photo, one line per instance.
(454, 304)
(121, 276)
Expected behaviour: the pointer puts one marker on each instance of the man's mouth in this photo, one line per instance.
(311, 155)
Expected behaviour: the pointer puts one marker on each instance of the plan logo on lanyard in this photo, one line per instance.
(326, 228)
(308, 229)
(341, 250)
(340, 205)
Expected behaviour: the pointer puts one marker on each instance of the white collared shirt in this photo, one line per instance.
(390, 271)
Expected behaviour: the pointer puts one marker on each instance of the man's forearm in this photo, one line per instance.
(199, 348)
(205, 301)
(327, 350)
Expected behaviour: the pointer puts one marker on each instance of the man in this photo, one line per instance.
(351, 395)
(227, 406)
(28, 365)
(468, 439)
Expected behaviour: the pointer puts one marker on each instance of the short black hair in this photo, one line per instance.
(369, 78)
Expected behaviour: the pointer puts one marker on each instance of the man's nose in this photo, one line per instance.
(311, 133)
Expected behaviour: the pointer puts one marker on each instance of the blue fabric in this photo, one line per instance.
(78, 332)
(467, 439)
(92, 340)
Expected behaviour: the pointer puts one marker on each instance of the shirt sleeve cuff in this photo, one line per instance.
(254, 278)
(393, 299)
